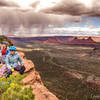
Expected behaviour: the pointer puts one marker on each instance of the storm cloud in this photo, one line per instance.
(12, 16)
(71, 7)
(75, 8)
(12, 19)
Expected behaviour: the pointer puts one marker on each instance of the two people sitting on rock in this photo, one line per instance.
(12, 60)
(4, 51)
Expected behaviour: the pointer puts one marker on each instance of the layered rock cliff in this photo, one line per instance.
(33, 79)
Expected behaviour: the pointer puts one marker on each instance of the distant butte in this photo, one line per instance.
(67, 40)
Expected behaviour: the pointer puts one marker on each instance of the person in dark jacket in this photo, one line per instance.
(12, 60)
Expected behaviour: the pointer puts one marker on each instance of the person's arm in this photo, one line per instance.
(20, 60)
(7, 52)
(7, 63)
(1, 52)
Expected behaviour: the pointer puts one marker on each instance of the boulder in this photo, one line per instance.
(28, 63)
(42, 93)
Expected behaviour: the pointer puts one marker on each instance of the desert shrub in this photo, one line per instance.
(12, 89)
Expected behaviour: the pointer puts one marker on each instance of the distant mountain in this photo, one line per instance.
(55, 39)
(83, 41)
(69, 40)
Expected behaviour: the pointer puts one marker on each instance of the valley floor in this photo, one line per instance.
(65, 69)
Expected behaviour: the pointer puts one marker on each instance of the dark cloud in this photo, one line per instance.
(71, 7)
(75, 8)
(12, 19)
(6, 3)
(95, 9)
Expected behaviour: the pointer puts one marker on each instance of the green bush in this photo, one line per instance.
(12, 89)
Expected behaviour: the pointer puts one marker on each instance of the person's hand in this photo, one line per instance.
(12, 70)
